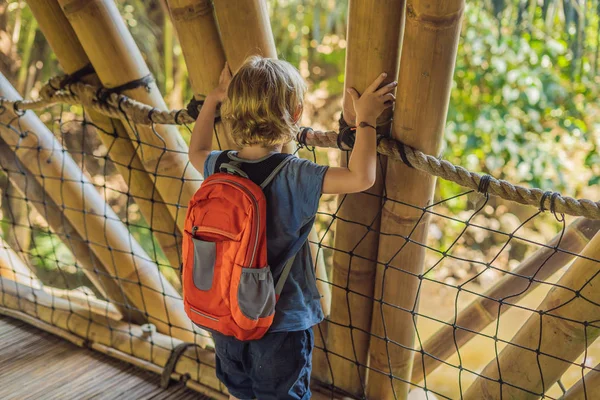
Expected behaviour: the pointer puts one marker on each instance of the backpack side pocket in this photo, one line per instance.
(205, 255)
(256, 293)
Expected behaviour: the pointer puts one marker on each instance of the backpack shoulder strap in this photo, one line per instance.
(274, 173)
(287, 268)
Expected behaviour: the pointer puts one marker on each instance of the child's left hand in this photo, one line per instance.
(220, 92)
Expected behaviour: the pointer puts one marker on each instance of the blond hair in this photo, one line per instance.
(263, 104)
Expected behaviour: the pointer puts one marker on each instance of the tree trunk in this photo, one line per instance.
(72, 57)
(552, 339)
(98, 225)
(374, 40)
(431, 36)
(117, 60)
(510, 289)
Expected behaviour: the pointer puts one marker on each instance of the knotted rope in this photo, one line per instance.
(117, 105)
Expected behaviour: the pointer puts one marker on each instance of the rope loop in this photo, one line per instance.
(301, 138)
(402, 151)
(76, 76)
(543, 200)
(484, 184)
(193, 107)
(104, 93)
(176, 353)
(19, 112)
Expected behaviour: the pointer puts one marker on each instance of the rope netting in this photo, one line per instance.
(466, 295)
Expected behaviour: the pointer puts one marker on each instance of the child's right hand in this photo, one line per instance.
(369, 106)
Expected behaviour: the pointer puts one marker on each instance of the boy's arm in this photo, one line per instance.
(201, 141)
(362, 167)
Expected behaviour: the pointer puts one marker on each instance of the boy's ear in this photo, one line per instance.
(298, 113)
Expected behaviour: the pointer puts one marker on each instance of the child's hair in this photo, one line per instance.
(263, 104)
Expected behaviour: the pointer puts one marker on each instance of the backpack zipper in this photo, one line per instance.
(256, 214)
(204, 315)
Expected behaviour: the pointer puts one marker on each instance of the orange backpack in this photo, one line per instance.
(227, 285)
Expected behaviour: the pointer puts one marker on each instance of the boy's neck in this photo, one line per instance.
(256, 152)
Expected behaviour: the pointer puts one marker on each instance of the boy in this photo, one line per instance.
(262, 105)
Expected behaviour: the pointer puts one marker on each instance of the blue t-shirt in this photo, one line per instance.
(292, 202)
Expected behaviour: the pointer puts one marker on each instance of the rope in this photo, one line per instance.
(117, 105)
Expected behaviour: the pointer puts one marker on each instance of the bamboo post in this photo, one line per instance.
(117, 60)
(431, 34)
(72, 57)
(586, 387)
(33, 195)
(196, 27)
(510, 289)
(551, 339)
(245, 30)
(106, 235)
(374, 41)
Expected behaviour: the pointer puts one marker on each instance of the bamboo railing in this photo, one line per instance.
(108, 238)
(423, 94)
(118, 61)
(374, 41)
(72, 57)
(541, 265)
(551, 339)
(32, 194)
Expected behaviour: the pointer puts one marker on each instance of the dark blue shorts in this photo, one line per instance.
(277, 366)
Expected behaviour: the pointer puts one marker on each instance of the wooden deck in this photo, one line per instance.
(37, 365)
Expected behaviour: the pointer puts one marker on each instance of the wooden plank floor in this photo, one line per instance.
(35, 364)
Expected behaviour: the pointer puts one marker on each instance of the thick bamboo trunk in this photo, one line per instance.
(245, 30)
(560, 332)
(72, 57)
(374, 41)
(117, 60)
(510, 289)
(431, 36)
(84, 208)
(33, 195)
(586, 388)
(200, 42)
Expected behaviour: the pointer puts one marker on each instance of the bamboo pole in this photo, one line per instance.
(586, 388)
(14, 268)
(374, 41)
(429, 48)
(245, 30)
(72, 57)
(559, 331)
(33, 195)
(154, 348)
(510, 289)
(106, 235)
(198, 34)
(117, 60)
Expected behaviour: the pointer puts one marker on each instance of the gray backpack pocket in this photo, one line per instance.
(256, 293)
(205, 254)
